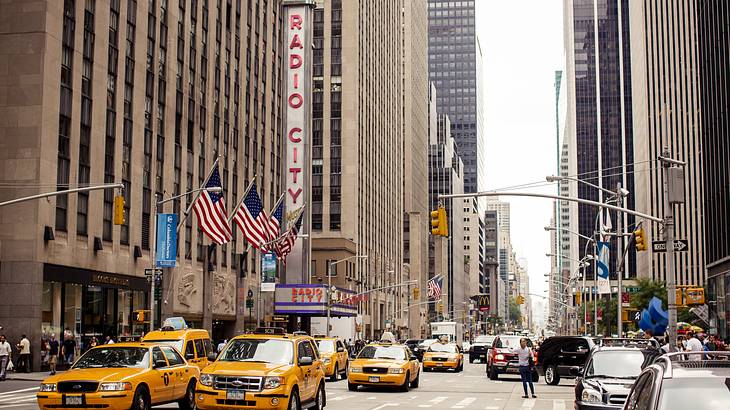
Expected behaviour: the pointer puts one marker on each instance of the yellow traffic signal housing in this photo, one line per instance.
(439, 223)
(578, 298)
(439, 307)
(640, 239)
(624, 315)
(694, 296)
(119, 210)
(416, 293)
(141, 316)
(520, 300)
(680, 298)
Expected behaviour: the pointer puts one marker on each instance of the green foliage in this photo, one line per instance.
(648, 289)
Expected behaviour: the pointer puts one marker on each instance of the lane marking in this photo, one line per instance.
(467, 401)
(491, 408)
(558, 404)
(371, 398)
(528, 404)
(338, 398)
(435, 400)
(18, 391)
(17, 399)
(382, 406)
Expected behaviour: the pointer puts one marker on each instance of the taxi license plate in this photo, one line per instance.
(373, 379)
(236, 394)
(439, 365)
(73, 400)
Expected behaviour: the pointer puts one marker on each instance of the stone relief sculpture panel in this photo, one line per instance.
(188, 292)
(224, 294)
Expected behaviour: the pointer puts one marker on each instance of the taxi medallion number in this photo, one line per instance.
(236, 394)
(73, 401)
(373, 379)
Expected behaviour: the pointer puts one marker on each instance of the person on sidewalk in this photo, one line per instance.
(524, 354)
(69, 350)
(24, 361)
(53, 347)
(5, 351)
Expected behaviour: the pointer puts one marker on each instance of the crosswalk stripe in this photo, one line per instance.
(467, 401)
(339, 398)
(558, 404)
(491, 408)
(16, 399)
(17, 391)
(435, 400)
(528, 404)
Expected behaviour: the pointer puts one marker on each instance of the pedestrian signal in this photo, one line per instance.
(439, 223)
(119, 210)
(141, 316)
(640, 239)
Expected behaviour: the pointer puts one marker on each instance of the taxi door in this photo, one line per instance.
(304, 349)
(341, 355)
(413, 364)
(180, 373)
(161, 383)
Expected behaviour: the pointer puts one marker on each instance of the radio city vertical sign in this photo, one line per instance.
(297, 128)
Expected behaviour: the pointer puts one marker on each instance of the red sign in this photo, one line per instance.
(308, 295)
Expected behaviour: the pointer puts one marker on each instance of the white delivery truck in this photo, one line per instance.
(452, 331)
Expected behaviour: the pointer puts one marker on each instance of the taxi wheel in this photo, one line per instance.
(294, 401)
(406, 383)
(188, 402)
(415, 382)
(141, 399)
(351, 386)
(320, 399)
(336, 374)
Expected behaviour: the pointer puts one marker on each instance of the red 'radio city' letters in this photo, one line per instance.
(295, 101)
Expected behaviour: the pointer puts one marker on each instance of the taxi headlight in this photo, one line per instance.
(395, 370)
(48, 387)
(115, 386)
(453, 357)
(273, 382)
(591, 396)
(206, 379)
(354, 369)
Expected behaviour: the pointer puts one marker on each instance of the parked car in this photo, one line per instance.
(609, 373)
(480, 348)
(502, 357)
(675, 382)
(562, 356)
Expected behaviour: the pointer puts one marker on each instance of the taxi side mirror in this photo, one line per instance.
(189, 356)
(306, 361)
(212, 356)
(160, 363)
(576, 371)
(340, 349)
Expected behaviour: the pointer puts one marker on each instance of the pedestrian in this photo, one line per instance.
(24, 348)
(222, 344)
(526, 363)
(53, 348)
(109, 340)
(68, 351)
(694, 345)
(5, 352)
(93, 342)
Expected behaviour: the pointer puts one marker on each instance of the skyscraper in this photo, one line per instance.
(454, 61)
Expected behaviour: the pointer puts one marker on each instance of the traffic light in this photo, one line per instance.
(141, 316)
(119, 210)
(416, 293)
(440, 307)
(640, 239)
(578, 298)
(520, 300)
(694, 296)
(680, 299)
(439, 223)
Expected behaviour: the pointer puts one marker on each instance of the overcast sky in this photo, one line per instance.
(522, 46)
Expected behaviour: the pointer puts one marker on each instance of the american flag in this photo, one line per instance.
(287, 243)
(434, 287)
(210, 209)
(252, 220)
(275, 220)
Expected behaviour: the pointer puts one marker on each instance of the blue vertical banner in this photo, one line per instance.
(166, 244)
(602, 268)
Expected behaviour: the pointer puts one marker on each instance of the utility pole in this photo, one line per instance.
(595, 287)
(673, 194)
(619, 254)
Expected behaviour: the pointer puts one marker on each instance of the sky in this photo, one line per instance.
(522, 46)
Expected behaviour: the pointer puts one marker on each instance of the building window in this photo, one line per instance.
(64, 121)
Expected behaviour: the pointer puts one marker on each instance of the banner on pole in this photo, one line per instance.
(166, 251)
(602, 273)
(268, 272)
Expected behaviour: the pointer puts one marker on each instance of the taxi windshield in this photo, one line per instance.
(383, 352)
(258, 350)
(326, 346)
(442, 348)
(137, 357)
(176, 343)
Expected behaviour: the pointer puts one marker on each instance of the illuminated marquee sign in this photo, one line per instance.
(306, 299)
(297, 103)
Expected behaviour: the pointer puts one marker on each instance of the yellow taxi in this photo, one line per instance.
(384, 364)
(441, 355)
(267, 369)
(334, 357)
(194, 344)
(123, 376)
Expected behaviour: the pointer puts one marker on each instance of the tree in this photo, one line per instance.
(515, 315)
(648, 289)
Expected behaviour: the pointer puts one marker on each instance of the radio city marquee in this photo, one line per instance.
(297, 100)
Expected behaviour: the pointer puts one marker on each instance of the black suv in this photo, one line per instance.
(609, 373)
(412, 344)
(562, 356)
(680, 381)
(480, 348)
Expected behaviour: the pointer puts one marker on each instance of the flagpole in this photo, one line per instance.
(197, 195)
(238, 204)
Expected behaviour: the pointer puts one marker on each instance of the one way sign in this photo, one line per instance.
(680, 245)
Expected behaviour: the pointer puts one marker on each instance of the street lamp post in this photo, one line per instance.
(153, 245)
(329, 286)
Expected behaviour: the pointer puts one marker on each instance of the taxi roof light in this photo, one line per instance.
(270, 331)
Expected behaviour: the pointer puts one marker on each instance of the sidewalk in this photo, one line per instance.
(31, 377)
